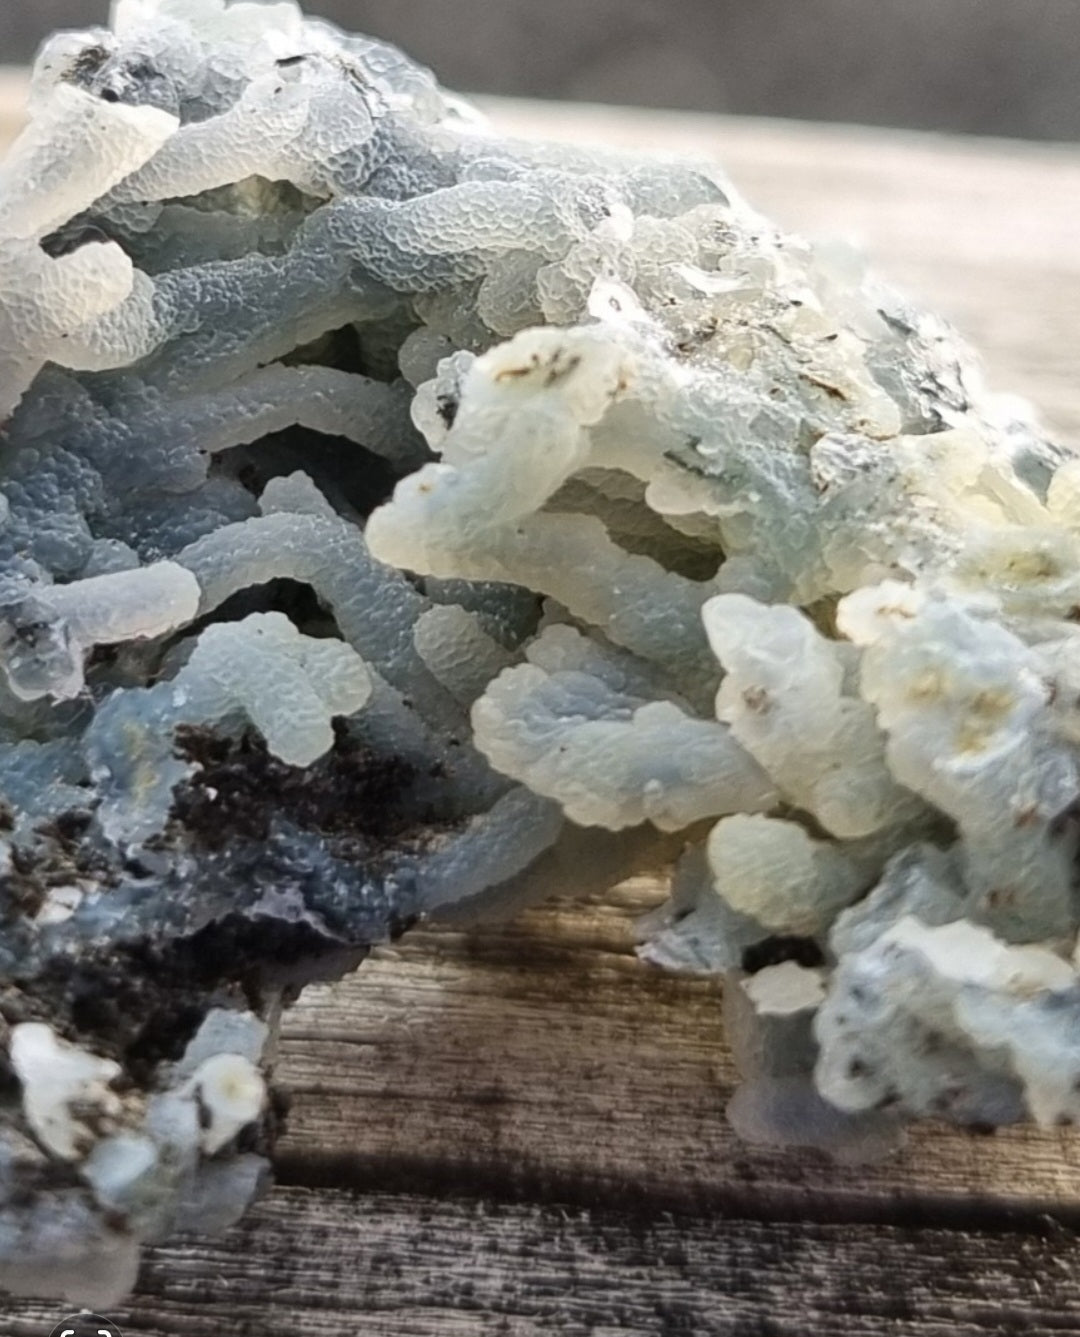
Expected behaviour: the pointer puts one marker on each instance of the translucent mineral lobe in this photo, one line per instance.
(395, 518)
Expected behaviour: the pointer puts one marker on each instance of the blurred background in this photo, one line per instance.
(995, 67)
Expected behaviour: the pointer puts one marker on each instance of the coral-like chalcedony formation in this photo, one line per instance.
(396, 517)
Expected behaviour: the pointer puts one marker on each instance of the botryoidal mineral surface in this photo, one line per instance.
(394, 517)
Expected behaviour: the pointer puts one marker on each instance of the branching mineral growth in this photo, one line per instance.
(394, 517)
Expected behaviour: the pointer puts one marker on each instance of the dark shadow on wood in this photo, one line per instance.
(479, 1182)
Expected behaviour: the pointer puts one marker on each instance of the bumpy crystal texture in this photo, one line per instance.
(395, 517)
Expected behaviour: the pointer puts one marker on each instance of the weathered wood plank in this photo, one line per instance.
(12, 96)
(332, 1265)
(542, 1058)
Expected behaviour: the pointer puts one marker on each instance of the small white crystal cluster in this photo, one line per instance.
(142, 1156)
(567, 480)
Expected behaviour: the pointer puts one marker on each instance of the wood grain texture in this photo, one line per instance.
(541, 1058)
(575, 1096)
(332, 1265)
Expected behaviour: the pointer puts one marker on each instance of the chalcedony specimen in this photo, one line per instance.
(396, 517)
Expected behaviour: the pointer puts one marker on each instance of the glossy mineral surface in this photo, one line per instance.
(393, 517)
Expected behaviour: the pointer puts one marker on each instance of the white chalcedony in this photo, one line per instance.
(66, 1093)
(230, 1092)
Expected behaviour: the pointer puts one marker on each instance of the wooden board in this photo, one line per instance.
(12, 96)
(542, 1058)
(330, 1264)
(554, 1108)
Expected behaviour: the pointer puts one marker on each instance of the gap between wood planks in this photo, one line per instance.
(495, 1186)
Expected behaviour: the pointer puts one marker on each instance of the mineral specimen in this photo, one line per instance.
(394, 517)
